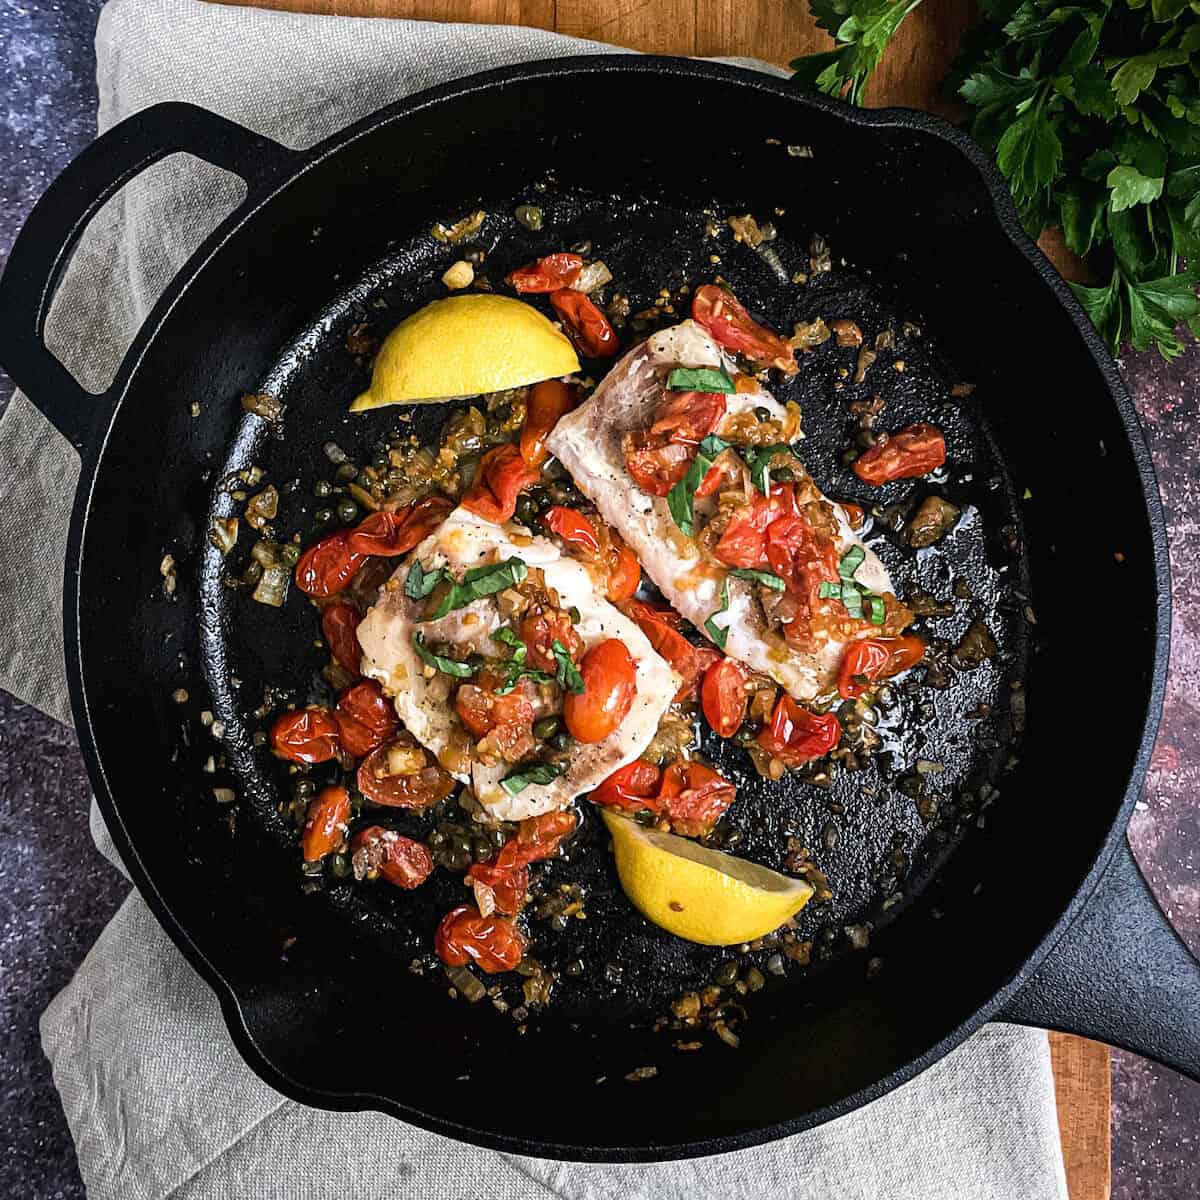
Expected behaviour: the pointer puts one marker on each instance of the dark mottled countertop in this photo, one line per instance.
(59, 893)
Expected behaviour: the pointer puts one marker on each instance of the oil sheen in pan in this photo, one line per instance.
(878, 833)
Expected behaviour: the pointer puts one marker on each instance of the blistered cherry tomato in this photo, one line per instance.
(624, 571)
(609, 687)
(693, 796)
(508, 719)
(540, 628)
(308, 735)
(548, 401)
(872, 659)
(800, 556)
(491, 943)
(327, 566)
(398, 859)
(914, 451)
(796, 736)
(744, 541)
(547, 274)
(855, 514)
(536, 838)
(401, 774)
(392, 533)
(732, 327)
(659, 457)
(723, 697)
(502, 476)
(661, 629)
(325, 825)
(365, 718)
(632, 787)
(338, 625)
(573, 527)
(587, 326)
(509, 886)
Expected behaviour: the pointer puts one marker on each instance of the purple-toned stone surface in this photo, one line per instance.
(58, 892)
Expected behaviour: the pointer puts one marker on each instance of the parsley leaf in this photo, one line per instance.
(1129, 187)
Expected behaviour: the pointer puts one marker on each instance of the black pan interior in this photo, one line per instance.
(336, 1015)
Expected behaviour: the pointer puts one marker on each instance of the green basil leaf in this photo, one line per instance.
(766, 578)
(450, 666)
(540, 773)
(681, 498)
(568, 676)
(420, 582)
(480, 582)
(852, 598)
(718, 633)
(851, 561)
(876, 609)
(700, 379)
(758, 459)
(829, 591)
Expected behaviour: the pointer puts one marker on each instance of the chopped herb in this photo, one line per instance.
(852, 598)
(575, 615)
(421, 582)
(700, 379)
(683, 494)
(851, 561)
(541, 773)
(718, 633)
(480, 582)
(450, 666)
(876, 609)
(515, 669)
(766, 578)
(758, 459)
(568, 676)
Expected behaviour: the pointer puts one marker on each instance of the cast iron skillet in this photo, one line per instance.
(1026, 907)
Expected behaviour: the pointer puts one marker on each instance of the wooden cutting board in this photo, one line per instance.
(778, 31)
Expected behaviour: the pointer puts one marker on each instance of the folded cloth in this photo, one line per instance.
(158, 1100)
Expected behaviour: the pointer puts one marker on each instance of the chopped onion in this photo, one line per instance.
(224, 795)
(272, 587)
(460, 230)
(594, 275)
(224, 533)
(270, 408)
(263, 507)
(485, 897)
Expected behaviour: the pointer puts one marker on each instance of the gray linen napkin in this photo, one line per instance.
(158, 1100)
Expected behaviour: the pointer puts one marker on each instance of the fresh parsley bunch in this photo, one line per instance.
(1093, 112)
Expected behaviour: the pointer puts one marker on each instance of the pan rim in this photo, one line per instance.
(1003, 212)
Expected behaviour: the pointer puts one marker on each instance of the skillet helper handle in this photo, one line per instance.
(1120, 974)
(45, 244)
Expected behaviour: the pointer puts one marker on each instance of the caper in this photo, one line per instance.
(458, 860)
(498, 836)
(783, 475)
(546, 728)
(322, 489)
(436, 839)
(304, 789)
(561, 740)
(481, 849)
(289, 554)
(323, 516)
(726, 973)
(526, 512)
(529, 215)
(339, 864)
(745, 735)
(762, 414)
(347, 510)
(380, 462)
(346, 472)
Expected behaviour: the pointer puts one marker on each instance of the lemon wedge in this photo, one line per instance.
(699, 894)
(466, 346)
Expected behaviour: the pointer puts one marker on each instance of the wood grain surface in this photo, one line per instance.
(778, 31)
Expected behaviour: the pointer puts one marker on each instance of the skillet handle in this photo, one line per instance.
(1120, 974)
(44, 246)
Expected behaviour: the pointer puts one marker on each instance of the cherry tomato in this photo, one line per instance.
(492, 943)
(687, 661)
(365, 718)
(540, 628)
(656, 469)
(338, 623)
(796, 736)
(723, 697)
(327, 566)
(721, 472)
(573, 527)
(547, 274)
(873, 659)
(659, 457)
(398, 859)
(744, 540)
(732, 327)
(308, 735)
(510, 886)
(855, 514)
(631, 787)
(548, 401)
(687, 417)
(624, 571)
(610, 685)
(502, 476)
(801, 558)
(914, 451)
(400, 774)
(392, 533)
(693, 796)
(587, 326)
(536, 838)
(325, 826)
(508, 719)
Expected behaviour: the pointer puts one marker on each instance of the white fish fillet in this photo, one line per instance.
(588, 443)
(386, 634)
